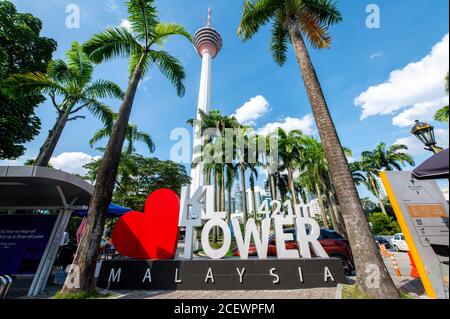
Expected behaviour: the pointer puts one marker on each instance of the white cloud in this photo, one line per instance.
(423, 111)
(111, 6)
(415, 147)
(376, 55)
(73, 162)
(418, 82)
(126, 24)
(304, 124)
(252, 110)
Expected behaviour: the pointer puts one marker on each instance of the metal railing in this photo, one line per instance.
(5, 284)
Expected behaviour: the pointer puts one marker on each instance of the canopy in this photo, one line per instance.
(33, 188)
(435, 167)
(114, 211)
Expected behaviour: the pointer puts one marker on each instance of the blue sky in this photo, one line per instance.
(359, 64)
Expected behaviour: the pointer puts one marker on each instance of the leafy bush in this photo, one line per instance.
(383, 225)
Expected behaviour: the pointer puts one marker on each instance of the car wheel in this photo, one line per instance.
(396, 248)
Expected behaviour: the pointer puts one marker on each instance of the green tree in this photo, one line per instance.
(293, 20)
(383, 224)
(316, 179)
(442, 114)
(139, 176)
(22, 50)
(290, 149)
(366, 171)
(142, 45)
(368, 205)
(133, 135)
(71, 82)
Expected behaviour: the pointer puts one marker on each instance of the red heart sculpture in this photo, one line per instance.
(152, 234)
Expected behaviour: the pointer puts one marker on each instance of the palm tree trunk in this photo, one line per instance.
(322, 207)
(47, 149)
(340, 222)
(377, 194)
(292, 189)
(366, 254)
(252, 186)
(87, 252)
(336, 207)
(216, 204)
(222, 193)
(334, 214)
(244, 193)
(229, 204)
(273, 187)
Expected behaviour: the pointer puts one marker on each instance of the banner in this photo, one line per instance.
(23, 239)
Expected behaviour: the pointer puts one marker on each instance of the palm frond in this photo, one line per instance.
(79, 64)
(145, 138)
(101, 89)
(143, 18)
(255, 14)
(171, 67)
(99, 135)
(111, 43)
(59, 71)
(442, 115)
(30, 83)
(100, 110)
(325, 10)
(279, 42)
(136, 58)
(165, 30)
(315, 31)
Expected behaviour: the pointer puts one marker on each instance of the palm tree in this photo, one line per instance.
(253, 177)
(70, 87)
(364, 173)
(132, 136)
(142, 44)
(382, 158)
(231, 177)
(293, 20)
(391, 158)
(442, 114)
(291, 154)
(314, 167)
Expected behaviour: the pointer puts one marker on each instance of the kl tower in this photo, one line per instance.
(208, 43)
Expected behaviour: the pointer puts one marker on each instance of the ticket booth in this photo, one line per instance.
(29, 241)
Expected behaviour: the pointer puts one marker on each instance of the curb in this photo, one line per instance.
(338, 294)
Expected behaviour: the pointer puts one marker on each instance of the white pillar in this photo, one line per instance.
(204, 104)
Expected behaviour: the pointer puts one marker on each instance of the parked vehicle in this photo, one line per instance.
(382, 241)
(333, 243)
(399, 242)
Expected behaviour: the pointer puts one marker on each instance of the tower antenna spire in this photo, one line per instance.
(209, 16)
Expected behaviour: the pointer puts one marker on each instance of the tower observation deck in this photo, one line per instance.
(208, 43)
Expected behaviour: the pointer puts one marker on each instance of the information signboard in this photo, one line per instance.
(422, 213)
(23, 239)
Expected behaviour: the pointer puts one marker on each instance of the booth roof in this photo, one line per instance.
(435, 167)
(32, 188)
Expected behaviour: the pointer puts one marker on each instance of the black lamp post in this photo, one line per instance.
(425, 133)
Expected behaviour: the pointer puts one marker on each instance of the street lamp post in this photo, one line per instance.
(425, 133)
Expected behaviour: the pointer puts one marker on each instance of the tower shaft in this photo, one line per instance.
(208, 43)
(204, 104)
